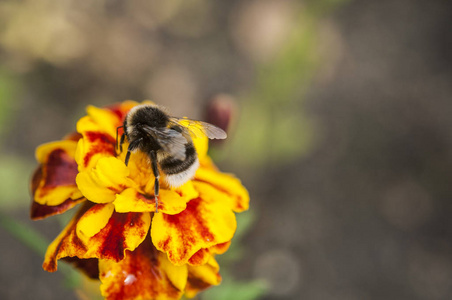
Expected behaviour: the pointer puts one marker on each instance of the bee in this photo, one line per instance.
(167, 143)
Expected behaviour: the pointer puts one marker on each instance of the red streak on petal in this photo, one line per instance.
(70, 243)
(118, 189)
(197, 283)
(199, 257)
(145, 197)
(189, 224)
(94, 136)
(60, 169)
(238, 203)
(194, 210)
(73, 136)
(141, 276)
(90, 266)
(113, 234)
(149, 200)
(39, 211)
(118, 112)
(221, 248)
(101, 143)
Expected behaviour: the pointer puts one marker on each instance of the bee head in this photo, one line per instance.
(147, 114)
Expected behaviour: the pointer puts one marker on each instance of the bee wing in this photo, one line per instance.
(194, 126)
(171, 141)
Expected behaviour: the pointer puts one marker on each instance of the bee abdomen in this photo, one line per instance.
(180, 171)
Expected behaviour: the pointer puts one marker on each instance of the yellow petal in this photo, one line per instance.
(201, 144)
(96, 143)
(56, 195)
(62, 244)
(102, 183)
(202, 224)
(105, 119)
(202, 277)
(54, 181)
(176, 274)
(144, 274)
(130, 200)
(93, 221)
(200, 258)
(228, 184)
(122, 232)
(170, 201)
(205, 254)
(187, 190)
(220, 248)
(44, 150)
(40, 211)
(207, 273)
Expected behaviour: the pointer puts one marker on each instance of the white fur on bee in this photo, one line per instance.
(175, 180)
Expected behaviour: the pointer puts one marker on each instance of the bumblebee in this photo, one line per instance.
(167, 143)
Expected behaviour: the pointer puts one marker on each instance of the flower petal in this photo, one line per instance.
(220, 248)
(64, 245)
(202, 224)
(54, 181)
(202, 277)
(104, 118)
(101, 183)
(122, 232)
(201, 143)
(203, 255)
(93, 221)
(89, 266)
(130, 200)
(99, 130)
(144, 274)
(170, 201)
(96, 143)
(39, 211)
(121, 109)
(228, 184)
(200, 258)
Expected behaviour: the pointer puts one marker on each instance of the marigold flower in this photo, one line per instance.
(116, 236)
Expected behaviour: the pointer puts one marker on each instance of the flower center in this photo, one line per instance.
(140, 170)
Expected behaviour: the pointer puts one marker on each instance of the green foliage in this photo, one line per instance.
(9, 89)
(231, 289)
(14, 182)
(274, 127)
(15, 171)
(24, 233)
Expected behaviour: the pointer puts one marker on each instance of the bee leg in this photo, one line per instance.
(122, 138)
(155, 170)
(127, 157)
(132, 146)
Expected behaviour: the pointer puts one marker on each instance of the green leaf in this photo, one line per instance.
(235, 290)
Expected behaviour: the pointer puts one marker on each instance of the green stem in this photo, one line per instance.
(25, 234)
(35, 241)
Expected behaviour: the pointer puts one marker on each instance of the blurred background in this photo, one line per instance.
(338, 114)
